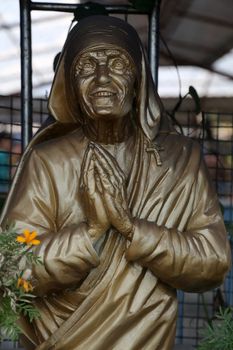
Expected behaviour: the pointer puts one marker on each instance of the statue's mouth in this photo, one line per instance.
(103, 93)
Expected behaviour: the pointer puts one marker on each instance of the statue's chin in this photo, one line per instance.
(105, 113)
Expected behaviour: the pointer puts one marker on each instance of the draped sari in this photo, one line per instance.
(122, 297)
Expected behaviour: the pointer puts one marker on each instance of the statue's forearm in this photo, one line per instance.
(191, 261)
(67, 258)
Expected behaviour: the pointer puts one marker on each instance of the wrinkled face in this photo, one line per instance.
(104, 83)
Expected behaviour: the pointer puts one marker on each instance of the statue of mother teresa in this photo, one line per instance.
(122, 203)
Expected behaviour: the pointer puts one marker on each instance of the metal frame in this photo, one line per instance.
(153, 42)
(26, 72)
(26, 6)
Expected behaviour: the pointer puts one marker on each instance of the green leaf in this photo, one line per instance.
(8, 319)
(219, 334)
(15, 259)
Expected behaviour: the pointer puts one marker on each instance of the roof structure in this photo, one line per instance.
(198, 32)
(196, 35)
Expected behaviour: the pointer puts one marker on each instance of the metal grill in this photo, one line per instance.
(214, 131)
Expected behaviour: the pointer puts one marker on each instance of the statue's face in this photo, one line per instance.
(104, 81)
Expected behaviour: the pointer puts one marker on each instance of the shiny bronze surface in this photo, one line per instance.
(104, 81)
(123, 204)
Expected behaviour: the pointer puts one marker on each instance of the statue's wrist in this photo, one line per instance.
(95, 232)
(129, 232)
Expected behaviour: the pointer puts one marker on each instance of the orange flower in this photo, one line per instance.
(25, 284)
(29, 238)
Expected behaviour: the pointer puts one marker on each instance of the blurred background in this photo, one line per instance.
(198, 34)
(194, 50)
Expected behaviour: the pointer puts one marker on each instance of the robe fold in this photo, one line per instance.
(122, 296)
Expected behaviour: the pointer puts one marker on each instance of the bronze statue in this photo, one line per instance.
(122, 203)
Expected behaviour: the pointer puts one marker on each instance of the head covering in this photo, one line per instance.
(99, 31)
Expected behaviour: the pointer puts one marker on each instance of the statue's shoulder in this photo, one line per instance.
(176, 139)
(62, 146)
(175, 147)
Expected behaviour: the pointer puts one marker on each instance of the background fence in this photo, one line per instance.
(215, 134)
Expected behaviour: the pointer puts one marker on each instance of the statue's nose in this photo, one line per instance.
(102, 74)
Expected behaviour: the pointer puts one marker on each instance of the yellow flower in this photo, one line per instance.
(29, 238)
(25, 284)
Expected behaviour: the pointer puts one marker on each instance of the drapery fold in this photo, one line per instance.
(125, 297)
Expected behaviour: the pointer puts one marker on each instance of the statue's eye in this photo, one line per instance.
(117, 65)
(86, 67)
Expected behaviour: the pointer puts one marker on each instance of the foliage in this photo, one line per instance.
(219, 333)
(16, 258)
(229, 228)
(228, 225)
